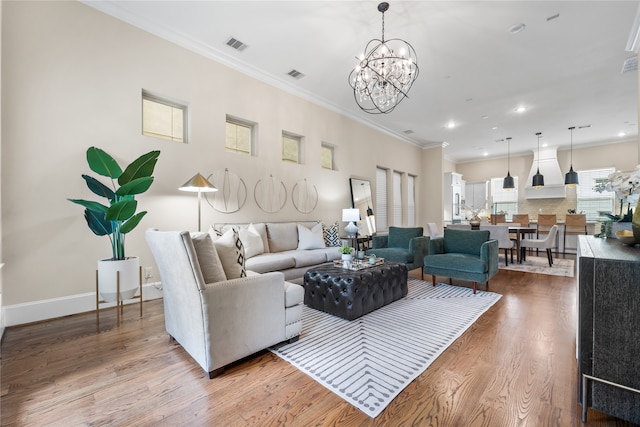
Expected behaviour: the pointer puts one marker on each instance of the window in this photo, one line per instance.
(590, 201)
(326, 153)
(291, 147)
(239, 136)
(381, 199)
(411, 201)
(397, 199)
(504, 200)
(164, 119)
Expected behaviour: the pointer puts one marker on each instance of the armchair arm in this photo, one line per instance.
(436, 246)
(419, 247)
(242, 316)
(489, 253)
(378, 242)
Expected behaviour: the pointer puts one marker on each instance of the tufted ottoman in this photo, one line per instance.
(351, 294)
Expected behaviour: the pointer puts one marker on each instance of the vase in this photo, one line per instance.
(635, 223)
(346, 257)
(129, 270)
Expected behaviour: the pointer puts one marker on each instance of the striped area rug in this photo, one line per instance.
(370, 360)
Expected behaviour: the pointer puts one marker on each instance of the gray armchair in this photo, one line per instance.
(219, 323)
(463, 254)
(403, 244)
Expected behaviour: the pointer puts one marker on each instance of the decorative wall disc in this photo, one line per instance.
(304, 196)
(270, 194)
(231, 194)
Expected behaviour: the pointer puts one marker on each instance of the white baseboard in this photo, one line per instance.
(36, 311)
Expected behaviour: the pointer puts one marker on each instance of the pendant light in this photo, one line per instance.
(571, 177)
(508, 180)
(538, 179)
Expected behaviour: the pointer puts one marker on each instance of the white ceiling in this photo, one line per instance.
(566, 70)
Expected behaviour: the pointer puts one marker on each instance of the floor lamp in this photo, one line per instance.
(200, 185)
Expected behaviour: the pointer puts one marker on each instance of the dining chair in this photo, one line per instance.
(497, 218)
(544, 224)
(433, 230)
(547, 244)
(500, 232)
(522, 219)
(573, 224)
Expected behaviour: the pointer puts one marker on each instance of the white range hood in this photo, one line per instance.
(554, 187)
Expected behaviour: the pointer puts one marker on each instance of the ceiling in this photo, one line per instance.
(565, 67)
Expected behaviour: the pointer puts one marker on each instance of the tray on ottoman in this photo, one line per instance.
(351, 294)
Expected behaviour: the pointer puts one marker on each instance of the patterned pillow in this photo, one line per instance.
(231, 253)
(331, 235)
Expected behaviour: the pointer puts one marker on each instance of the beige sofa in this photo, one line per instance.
(289, 247)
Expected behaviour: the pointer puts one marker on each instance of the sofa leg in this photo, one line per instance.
(216, 372)
(450, 281)
(474, 287)
(293, 339)
(433, 279)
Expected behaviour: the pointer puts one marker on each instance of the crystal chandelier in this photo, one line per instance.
(385, 73)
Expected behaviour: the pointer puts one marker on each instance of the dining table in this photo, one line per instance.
(520, 231)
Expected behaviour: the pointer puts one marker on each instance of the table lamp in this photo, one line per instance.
(351, 216)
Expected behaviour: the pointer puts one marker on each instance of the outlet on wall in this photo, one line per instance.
(148, 272)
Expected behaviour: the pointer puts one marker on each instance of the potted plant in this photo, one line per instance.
(117, 217)
(346, 252)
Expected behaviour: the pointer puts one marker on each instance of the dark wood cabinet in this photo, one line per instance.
(608, 341)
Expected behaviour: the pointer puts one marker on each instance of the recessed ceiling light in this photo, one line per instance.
(521, 109)
(450, 125)
(544, 144)
(621, 134)
(485, 154)
(484, 117)
(518, 28)
(494, 128)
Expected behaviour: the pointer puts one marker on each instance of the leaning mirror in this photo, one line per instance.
(361, 200)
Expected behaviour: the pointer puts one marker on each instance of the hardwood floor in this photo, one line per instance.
(515, 366)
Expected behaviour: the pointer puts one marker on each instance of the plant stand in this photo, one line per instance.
(119, 301)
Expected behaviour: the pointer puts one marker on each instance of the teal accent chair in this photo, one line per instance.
(463, 254)
(407, 245)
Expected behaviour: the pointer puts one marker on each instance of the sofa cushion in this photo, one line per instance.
(309, 257)
(252, 241)
(464, 241)
(282, 236)
(293, 294)
(231, 253)
(393, 254)
(332, 235)
(310, 238)
(265, 263)
(458, 262)
(210, 264)
(399, 236)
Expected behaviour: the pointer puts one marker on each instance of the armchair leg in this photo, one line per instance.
(433, 279)
(474, 287)
(216, 372)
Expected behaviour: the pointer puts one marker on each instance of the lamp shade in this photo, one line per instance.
(571, 177)
(350, 215)
(198, 184)
(538, 180)
(508, 181)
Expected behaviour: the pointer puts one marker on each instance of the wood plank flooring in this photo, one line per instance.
(515, 366)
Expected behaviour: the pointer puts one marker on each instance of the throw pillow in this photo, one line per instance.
(252, 241)
(310, 238)
(210, 264)
(231, 253)
(331, 235)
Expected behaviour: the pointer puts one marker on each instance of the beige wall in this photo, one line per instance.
(72, 78)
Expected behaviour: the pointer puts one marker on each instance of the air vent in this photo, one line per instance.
(236, 44)
(295, 74)
(630, 64)
(408, 132)
(584, 126)
(552, 17)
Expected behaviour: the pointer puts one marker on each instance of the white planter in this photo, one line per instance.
(346, 257)
(129, 278)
